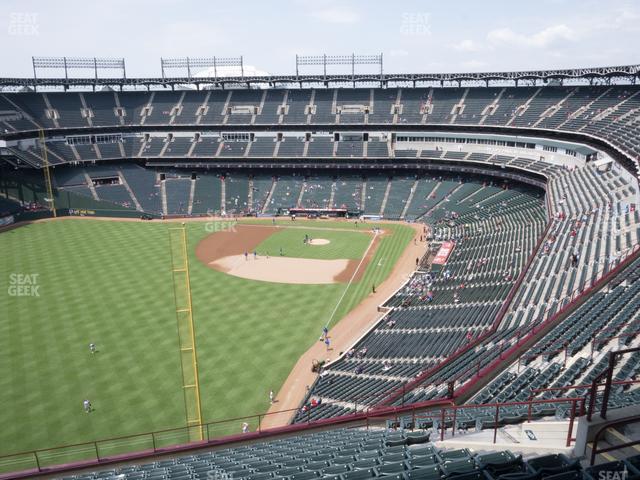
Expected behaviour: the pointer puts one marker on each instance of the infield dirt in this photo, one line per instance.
(224, 251)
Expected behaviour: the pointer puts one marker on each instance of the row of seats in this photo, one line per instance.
(244, 193)
(603, 111)
(440, 311)
(577, 350)
(358, 454)
(589, 221)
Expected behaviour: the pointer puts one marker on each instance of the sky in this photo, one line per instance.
(413, 36)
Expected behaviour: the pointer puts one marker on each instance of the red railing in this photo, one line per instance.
(160, 441)
(606, 271)
(543, 322)
(607, 374)
(172, 441)
(532, 330)
(548, 317)
(595, 450)
(577, 408)
(600, 341)
(536, 391)
(477, 341)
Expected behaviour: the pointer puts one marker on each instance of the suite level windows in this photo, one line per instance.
(79, 140)
(93, 139)
(471, 141)
(237, 137)
(110, 138)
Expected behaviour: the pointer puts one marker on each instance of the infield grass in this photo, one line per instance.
(342, 244)
(109, 283)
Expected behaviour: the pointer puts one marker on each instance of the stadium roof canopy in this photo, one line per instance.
(254, 78)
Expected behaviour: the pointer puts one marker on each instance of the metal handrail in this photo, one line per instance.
(543, 318)
(625, 421)
(607, 373)
(535, 328)
(365, 416)
(477, 341)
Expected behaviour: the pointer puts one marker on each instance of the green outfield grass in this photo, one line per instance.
(110, 283)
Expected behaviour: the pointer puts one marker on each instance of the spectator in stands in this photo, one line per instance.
(574, 260)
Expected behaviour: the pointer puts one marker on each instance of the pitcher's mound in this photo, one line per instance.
(319, 241)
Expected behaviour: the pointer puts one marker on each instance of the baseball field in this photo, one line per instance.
(74, 282)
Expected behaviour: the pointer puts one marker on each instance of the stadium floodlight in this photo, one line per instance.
(201, 62)
(82, 63)
(353, 60)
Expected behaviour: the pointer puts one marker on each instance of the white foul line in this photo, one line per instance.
(352, 277)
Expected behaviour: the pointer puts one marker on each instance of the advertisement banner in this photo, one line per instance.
(443, 254)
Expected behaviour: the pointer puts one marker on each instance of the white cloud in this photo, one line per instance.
(398, 53)
(473, 64)
(544, 38)
(467, 46)
(335, 14)
(625, 18)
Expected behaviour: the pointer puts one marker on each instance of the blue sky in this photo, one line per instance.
(415, 36)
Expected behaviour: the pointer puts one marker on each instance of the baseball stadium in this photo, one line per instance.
(338, 272)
